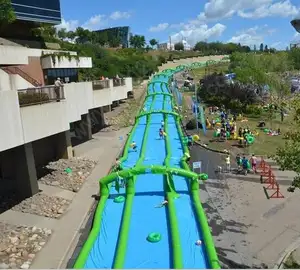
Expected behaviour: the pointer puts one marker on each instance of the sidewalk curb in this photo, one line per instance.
(287, 253)
(64, 260)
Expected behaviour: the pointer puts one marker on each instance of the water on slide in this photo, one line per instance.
(103, 250)
(146, 217)
(193, 256)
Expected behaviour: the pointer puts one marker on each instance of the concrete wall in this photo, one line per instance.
(34, 69)
(79, 97)
(13, 55)
(64, 62)
(12, 82)
(17, 82)
(11, 134)
(4, 81)
(40, 121)
(31, 123)
(102, 97)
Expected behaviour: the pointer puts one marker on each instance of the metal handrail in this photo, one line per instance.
(40, 95)
(100, 84)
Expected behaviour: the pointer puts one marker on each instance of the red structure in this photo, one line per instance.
(268, 177)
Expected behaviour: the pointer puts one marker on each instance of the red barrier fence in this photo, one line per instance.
(268, 177)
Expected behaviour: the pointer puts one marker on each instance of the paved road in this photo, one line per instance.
(228, 232)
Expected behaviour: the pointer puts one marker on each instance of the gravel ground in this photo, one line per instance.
(43, 205)
(19, 245)
(72, 180)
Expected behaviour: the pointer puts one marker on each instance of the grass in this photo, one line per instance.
(199, 73)
(264, 144)
(290, 263)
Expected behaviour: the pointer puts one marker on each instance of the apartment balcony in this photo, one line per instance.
(40, 95)
(53, 61)
(107, 91)
(13, 55)
(34, 113)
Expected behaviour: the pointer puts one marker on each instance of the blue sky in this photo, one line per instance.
(246, 21)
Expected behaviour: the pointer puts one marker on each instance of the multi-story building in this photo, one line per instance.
(123, 33)
(41, 11)
(296, 24)
(37, 117)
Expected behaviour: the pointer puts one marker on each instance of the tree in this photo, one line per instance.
(7, 14)
(179, 46)
(288, 157)
(254, 48)
(114, 42)
(261, 47)
(153, 42)
(266, 48)
(216, 91)
(62, 33)
(82, 35)
(137, 41)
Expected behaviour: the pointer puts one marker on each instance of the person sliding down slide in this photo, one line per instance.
(164, 203)
(133, 146)
(161, 133)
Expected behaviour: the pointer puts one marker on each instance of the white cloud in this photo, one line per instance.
(95, 22)
(247, 39)
(252, 36)
(279, 9)
(68, 25)
(118, 15)
(220, 9)
(159, 28)
(194, 33)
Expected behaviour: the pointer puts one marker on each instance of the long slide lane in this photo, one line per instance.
(149, 194)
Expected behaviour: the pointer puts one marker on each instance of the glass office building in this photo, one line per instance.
(40, 11)
(296, 24)
(120, 32)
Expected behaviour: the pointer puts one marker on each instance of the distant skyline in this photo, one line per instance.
(249, 22)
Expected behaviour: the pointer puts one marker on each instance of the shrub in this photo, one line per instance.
(192, 124)
(254, 110)
(32, 98)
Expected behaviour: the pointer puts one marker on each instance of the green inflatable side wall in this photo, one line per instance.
(167, 171)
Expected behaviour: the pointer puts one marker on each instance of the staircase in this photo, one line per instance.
(24, 75)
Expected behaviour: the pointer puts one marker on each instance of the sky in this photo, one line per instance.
(249, 22)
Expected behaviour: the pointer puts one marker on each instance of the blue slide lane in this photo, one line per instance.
(193, 256)
(146, 218)
(103, 251)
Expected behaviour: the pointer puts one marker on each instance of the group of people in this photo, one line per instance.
(226, 127)
(243, 163)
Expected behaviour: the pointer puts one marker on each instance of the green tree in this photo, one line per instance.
(114, 42)
(62, 33)
(82, 35)
(179, 46)
(288, 157)
(137, 41)
(153, 42)
(261, 47)
(266, 48)
(7, 14)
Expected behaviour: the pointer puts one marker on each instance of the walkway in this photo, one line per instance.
(249, 230)
(104, 147)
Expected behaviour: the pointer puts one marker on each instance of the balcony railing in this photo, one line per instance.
(99, 85)
(118, 82)
(40, 95)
